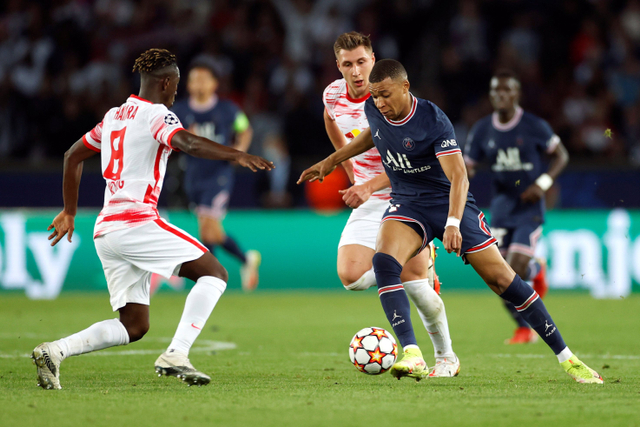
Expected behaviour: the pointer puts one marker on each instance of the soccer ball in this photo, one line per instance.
(373, 350)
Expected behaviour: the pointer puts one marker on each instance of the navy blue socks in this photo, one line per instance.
(528, 304)
(393, 297)
(515, 315)
(232, 247)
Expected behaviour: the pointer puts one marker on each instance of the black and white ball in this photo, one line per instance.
(373, 350)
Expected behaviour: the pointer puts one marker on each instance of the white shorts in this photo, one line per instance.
(130, 256)
(364, 223)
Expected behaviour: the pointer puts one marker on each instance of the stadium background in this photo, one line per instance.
(63, 63)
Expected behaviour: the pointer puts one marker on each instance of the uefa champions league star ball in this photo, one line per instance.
(373, 350)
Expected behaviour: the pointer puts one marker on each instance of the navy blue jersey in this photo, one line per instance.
(515, 151)
(219, 123)
(409, 150)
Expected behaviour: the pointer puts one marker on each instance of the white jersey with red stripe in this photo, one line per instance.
(349, 115)
(134, 142)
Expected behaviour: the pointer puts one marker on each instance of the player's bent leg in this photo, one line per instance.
(523, 334)
(355, 267)
(432, 313)
(49, 355)
(531, 307)
(397, 243)
(210, 277)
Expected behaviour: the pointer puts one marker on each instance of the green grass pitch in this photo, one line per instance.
(281, 359)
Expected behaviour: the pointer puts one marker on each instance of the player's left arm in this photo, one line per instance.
(559, 158)
(63, 223)
(456, 172)
(356, 195)
(244, 132)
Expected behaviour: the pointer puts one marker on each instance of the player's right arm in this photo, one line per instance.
(338, 140)
(63, 223)
(198, 146)
(358, 145)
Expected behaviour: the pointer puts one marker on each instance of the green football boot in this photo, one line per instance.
(581, 372)
(412, 365)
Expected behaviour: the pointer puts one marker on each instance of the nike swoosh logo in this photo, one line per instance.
(196, 327)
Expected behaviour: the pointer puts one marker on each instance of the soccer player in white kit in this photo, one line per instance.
(134, 141)
(344, 119)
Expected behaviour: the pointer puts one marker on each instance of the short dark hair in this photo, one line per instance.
(205, 62)
(350, 41)
(506, 73)
(387, 68)
(153, 60)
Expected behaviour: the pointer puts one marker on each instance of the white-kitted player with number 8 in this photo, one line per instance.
(134, 141)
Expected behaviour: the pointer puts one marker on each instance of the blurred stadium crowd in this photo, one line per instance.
(63, 63)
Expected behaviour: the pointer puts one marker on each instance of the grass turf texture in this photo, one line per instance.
(290, 366)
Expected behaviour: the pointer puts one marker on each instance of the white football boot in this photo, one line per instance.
(47, 357)
(249, 271)
(177, 365)
(446, 367)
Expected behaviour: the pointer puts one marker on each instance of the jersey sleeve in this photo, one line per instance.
(548, 140)
(93, 139)
(329, 98)
(473, 149)
(163, 125)
(446, 144)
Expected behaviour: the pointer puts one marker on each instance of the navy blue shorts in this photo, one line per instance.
(429, 223)
(521, 239)
(211, 195)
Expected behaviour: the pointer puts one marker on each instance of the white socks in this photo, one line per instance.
(433, 315)
(105, 334)
(367, 280)
(200, 302)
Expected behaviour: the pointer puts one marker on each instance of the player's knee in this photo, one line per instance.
(220, 272)
(386, 266)
(350, 275)
(137, 330)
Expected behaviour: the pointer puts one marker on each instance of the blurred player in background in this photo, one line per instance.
(430, 199)
(344, 118)
(134, 141)
(515, 143)
(209, 183)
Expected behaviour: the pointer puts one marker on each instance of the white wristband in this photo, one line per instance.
(452, 221)
(544, 181)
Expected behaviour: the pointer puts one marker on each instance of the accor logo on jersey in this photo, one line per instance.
(509, 161)
(401, 162)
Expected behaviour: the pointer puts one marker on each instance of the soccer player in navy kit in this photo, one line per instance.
(208, 183)
(515, 143)
(430, 199)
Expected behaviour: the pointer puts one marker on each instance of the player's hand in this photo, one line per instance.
(532, 194)
(317, 171)
(62, 224)
(356, 195)
(254, 162)
(452, 240)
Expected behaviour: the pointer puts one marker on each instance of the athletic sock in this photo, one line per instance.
(105, 334)
(200, 303)
(434, 317)
(517, 317)
(528, 303)
(367, 280)
(533, 268)
(393, 297)
(232, 247)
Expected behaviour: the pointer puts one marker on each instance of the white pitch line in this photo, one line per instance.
(202, 346)
(588, 356)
